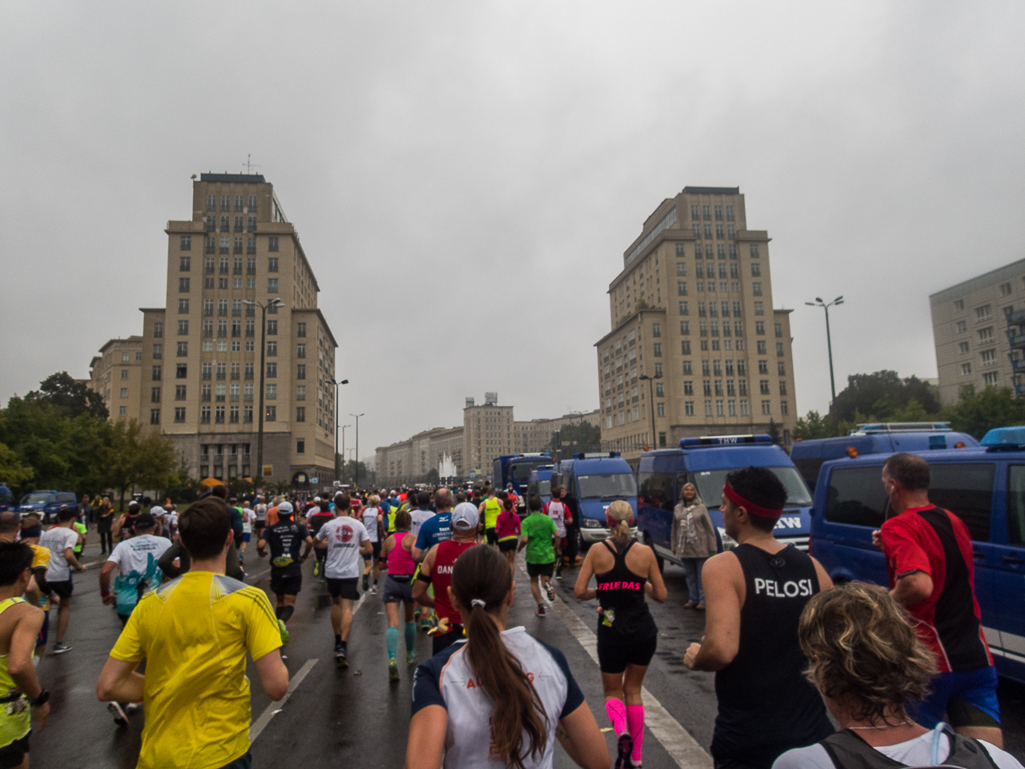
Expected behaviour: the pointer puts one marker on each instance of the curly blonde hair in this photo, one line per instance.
(863, 650)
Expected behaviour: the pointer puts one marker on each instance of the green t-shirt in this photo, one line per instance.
(539, 529)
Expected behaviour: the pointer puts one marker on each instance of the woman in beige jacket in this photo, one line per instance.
(693, 542)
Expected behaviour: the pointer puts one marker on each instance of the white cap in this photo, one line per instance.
(285, 507)
(316, 499)
(156, 511)
(464, 517)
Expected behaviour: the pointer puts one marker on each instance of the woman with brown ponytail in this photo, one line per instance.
(455, 722)
(624, 571)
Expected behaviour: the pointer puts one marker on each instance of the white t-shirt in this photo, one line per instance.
(370, 521)
(261, 512)
(133, 555)
(557, 512)
(916, 752)
(344, 536)
(420, 517)
(58, 540)
(248, 516)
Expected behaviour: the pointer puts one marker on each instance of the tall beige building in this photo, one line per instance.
(970, 323)
(195, 372)
(692, 309)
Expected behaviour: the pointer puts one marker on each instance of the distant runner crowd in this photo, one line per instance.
(807, 673)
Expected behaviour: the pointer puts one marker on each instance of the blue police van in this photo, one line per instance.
(515, 469)
(983, 486)
(877, 438)
(46, 504)
(593, 481)
(540, 483)
(705, 462)
(6, 499)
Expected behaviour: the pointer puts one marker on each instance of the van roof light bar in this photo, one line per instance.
(901, 427)
(710, 441)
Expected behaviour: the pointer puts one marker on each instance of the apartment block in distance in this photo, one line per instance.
(692, 310)
(195, 374)
(971, 323)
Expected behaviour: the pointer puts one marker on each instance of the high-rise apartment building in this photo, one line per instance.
(970, 323)
(198, 361)
(487, 433)
(696, 346)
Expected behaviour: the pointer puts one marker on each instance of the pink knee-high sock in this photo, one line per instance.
(617, 715)
(635, 719)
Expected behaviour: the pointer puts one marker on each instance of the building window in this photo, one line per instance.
(685, 347)
(659, 390)
(156, 373)
(182, 371)
(224, 245)
(966, 368)
(219, 415)
(272, 392)
(272, 243)
(754, 250)
(766, 408)
(300, 446)
(1005, 289)
(681, 288)
(272, 370)
(272, 261)
(300, 351)
(656, 330)
(986, 334)
(959, 304)
(756, 270)
(658, 370)
(272, 285)
(183, 328)
(681, 269)
(756, 288)
(154, 416)
(204, 415)
(708, 408)
(183, 285)
(759, 308)
(762, 346)
(271, 414)
(272, 328)
(300, 414)
(983, 313)
(760, 327)
(990, 379)
(300, 330)
(272, 348)
(124, 391)
(179, 414)
(300, 393)
(660, 409)
(300, 372)
(684, 310)
(782, 387)
(989, 357)
(962, 326)
(183, 349)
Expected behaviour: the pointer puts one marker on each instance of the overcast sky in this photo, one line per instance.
(466, 176)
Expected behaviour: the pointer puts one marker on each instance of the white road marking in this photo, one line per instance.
(683, 748)
(274, 707)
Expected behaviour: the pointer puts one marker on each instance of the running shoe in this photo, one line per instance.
(410, 658)
(551, 592)
(393, 670)
(373, 590)
(425, 623)
(540, 611)
(59, 648)
(316, 568)
(131, 707)
(340, 659)
(119, 714)
(625, 747)
(366, 585)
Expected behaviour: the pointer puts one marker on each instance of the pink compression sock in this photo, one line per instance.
(617, 715)
(635, 718)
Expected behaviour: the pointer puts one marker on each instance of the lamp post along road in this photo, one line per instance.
(276, 302)
(829, 343)
(343, 447)
(337, 383)
(355, 482)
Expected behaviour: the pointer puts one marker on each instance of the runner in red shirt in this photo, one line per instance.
(436, 569)
(929, 559)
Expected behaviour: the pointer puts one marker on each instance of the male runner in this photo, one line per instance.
(248, 518)
(20, 623)
(488, 512)
(314, 521)
(136, 561)
(755, 594)
(539, 538)
(261, 515)
(373, 522)
(436, 571)
(422, 513)
(286, 577)
(556, 509)
(60, 541)
(36, 593)
(438, 528)
(345, 539)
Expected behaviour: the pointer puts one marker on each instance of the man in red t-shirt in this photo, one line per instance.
(929, 560)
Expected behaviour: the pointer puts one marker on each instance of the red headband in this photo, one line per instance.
(753, 509)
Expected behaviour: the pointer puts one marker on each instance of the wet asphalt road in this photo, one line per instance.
(355, 717)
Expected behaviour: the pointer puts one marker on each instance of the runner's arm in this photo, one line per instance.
(308, 549)
(69, 556)
(118, 682)
(366, 547)
(582, 740)
(273, 674)
(722, 618)
(105, 572)
(912, 588)
(19, 662)
(423, 580)
(655, 587)
(426, 746)
(581, 590)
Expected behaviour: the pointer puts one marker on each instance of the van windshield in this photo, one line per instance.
(521, 470)
(35, 498)
(710, 483)
(606, 486)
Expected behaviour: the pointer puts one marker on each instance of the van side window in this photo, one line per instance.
(967, 492)
(1016, 506)
(657, 489)
(856, 496)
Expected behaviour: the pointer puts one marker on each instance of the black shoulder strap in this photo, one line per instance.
(610, 548)
(967, 753)
(848, 751)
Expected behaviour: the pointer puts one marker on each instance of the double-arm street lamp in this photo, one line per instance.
(355, 482)
(651, 398)
(829, 344)
(275, 302)
(337, 383)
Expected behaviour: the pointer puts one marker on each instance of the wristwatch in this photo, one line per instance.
(42, 699)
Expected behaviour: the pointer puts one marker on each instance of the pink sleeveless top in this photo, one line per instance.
(400, 561)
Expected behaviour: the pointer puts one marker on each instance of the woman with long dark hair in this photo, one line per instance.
(624, 571)
(455, 721)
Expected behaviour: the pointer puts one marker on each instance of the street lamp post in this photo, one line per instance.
(343, 447)
(355, 482)
(275, 302)
(829, 344)
(651, 398)
(337, 383)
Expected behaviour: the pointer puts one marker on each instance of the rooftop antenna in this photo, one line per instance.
(249, 164)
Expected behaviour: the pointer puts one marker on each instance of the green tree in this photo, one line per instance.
(576, 438)
(75, 398)
(813, 426)
(138, 459)
(884, 396)
(978, 412)
(12, 472)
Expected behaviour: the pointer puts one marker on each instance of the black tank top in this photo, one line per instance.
(621, 595)
(766, 705)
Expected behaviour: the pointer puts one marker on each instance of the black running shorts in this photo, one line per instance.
(344, 588)
(615, 652)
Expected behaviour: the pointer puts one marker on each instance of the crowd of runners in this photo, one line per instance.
(794, 656)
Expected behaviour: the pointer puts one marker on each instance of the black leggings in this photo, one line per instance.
(106, 541)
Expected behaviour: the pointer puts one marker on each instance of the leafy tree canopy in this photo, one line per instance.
(74, 398)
